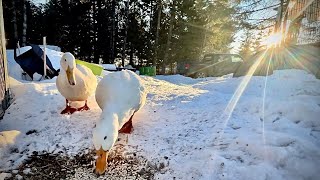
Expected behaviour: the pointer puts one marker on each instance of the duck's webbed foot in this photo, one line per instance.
(68, 109)
(84, 108)
(127, 127)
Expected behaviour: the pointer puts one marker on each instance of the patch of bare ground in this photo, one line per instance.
(121, 165)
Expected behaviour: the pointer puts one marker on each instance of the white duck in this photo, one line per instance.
(119, 95)
(75, 83)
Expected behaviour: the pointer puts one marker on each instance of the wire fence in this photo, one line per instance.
(305, 21)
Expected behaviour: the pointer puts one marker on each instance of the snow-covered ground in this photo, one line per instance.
(198, 128)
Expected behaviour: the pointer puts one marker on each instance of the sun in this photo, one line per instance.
(273, 40)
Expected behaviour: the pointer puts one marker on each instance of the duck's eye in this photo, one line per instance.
(65, 59)
(105, 138)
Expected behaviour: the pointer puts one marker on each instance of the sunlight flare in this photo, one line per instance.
(273, 40)
(263, 105)
(206, 67)
(240, 89)
(296, 60)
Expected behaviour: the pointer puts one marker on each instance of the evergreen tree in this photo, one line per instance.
(150, 31)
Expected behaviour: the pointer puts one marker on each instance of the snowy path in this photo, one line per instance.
(184, 126)
(186, 122)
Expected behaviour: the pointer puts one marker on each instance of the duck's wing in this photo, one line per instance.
(88, 79)
(84, 70)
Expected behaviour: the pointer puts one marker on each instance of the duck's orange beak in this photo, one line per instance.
(101, 162)
(70, 76)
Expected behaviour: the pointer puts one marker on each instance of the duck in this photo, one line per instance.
(119, 95)
(75, 82)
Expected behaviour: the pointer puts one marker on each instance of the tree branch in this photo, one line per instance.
(252, 4)
(263, 19)
(266, 27)
(247, 12)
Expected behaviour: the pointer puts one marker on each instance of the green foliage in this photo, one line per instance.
(250, 44)
(86, 28)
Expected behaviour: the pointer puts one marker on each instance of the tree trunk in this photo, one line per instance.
(166, 55)
(94, 43)
(131, 55)
(172, 68)
(155, 58)
(279, 17)
(126, 33)
(24, 25)
(14, 19)
(113, 29)
(96, 21)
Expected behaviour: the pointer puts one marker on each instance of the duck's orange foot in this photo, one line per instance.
(127, 127)
(84, 108)
(68, 110)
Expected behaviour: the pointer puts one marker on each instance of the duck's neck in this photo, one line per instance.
(110, 119)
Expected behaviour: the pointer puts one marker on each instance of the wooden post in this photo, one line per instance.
(3, 48)
(18, 45)
(44, 58)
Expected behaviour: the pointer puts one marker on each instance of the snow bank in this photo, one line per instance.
(14, 69)
(271, 133)
(109, 67)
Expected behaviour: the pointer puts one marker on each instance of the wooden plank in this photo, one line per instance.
(3, 47)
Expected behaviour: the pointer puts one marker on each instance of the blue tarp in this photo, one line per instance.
(31, 62)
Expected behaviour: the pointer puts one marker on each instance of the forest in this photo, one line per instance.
(135, 32)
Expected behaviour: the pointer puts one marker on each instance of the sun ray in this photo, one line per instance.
(273, 40)
(296, 59)
(211, 65)
(225, 116)
(263, 104)
(240, 89)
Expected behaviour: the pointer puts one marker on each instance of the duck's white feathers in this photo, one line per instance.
(121, 93)
(86, 83)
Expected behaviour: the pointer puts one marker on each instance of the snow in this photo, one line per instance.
(19, 177)
(5, 175)
(14, 68)
(26, 171)
(273, 131)
(109, 67)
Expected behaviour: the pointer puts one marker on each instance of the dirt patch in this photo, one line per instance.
(57, 166)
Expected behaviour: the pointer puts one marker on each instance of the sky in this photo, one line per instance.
(264, 14)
